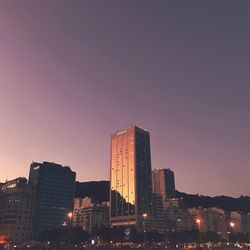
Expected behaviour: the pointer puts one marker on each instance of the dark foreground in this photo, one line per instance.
(190, 246)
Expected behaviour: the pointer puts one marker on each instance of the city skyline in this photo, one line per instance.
(70, 74)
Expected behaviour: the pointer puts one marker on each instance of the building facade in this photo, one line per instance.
(164, 183)
(178, 219)
(234, 217)
(245, 222)
(158, 214)
(211, 220)
(54, 196)
(16, 210)
(89, 215)
(130, 175)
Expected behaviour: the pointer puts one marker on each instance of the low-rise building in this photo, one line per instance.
(16, 210)
(245, 221)
(209, 220)
(234, 222)
(90, 215)
(178, 219)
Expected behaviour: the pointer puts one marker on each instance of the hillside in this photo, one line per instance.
(225, 202)
(99, 190)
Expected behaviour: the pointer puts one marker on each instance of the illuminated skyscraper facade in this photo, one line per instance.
(130, 174)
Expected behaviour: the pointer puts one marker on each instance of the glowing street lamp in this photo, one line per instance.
(198, 221)
(232, 224)
(144, 215)
(70, 215)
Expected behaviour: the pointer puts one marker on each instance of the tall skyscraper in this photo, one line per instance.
(163, 183)
(54, 196)
(130, 174)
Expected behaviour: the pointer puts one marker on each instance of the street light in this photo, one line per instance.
(145, 215)
(198, 221)
(232, 225)
(70, 215)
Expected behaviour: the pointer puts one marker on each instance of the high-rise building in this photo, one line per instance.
(164, 183)
(16, 210)
(54, 196)
(130, 174)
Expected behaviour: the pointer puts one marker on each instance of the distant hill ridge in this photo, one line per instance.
(241, 204)
(99, 191)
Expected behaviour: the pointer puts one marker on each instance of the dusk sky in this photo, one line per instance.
(73, 72)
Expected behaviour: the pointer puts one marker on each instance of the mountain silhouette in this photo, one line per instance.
(99, 191)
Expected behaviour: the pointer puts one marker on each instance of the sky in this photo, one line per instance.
(73, 72)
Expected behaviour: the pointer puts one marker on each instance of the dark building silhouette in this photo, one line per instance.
(158, 212)
(130, 173)
(54, 196)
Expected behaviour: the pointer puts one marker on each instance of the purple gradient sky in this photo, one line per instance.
(72, 72)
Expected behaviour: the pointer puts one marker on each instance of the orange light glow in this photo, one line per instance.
(198, 221)
(70, 215)
(2, 239)
(232, 224)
